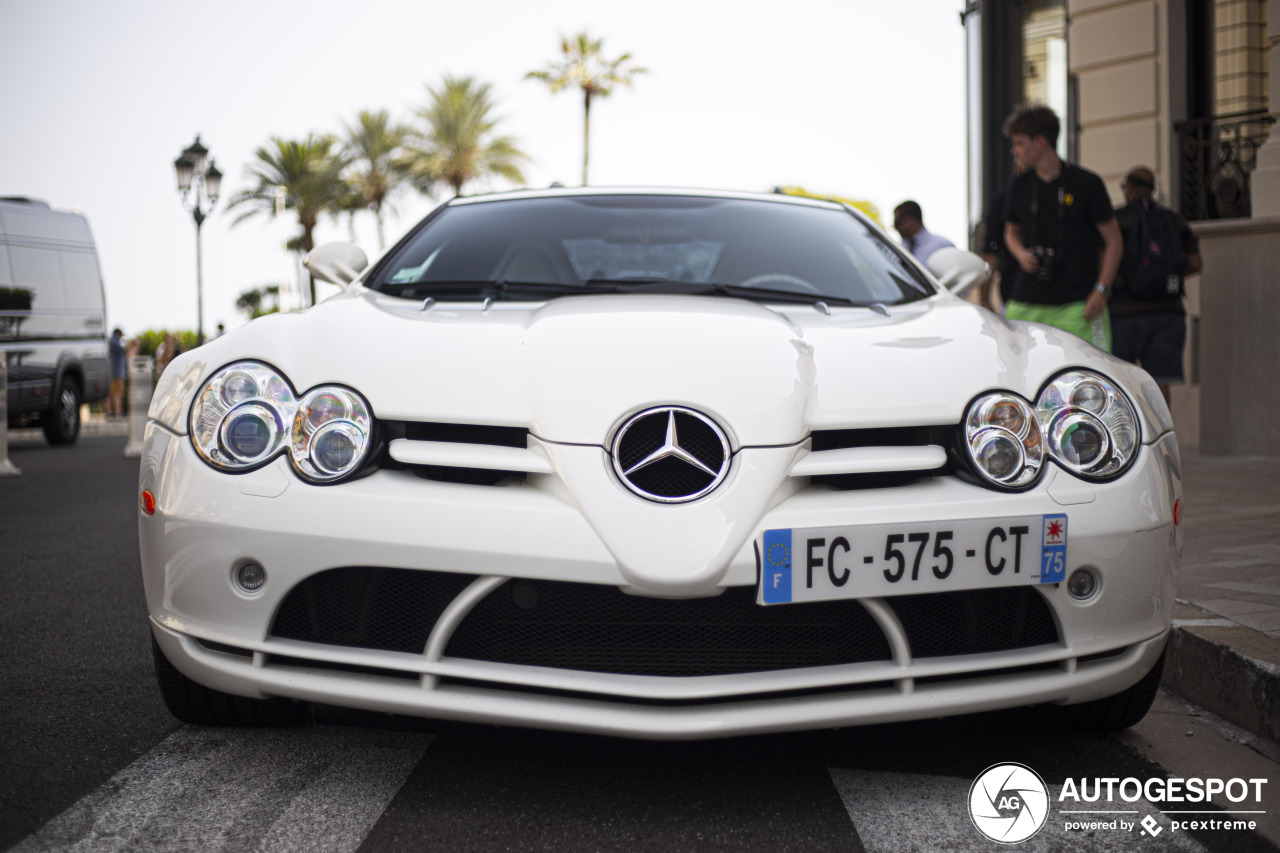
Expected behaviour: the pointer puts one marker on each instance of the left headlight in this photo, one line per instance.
(1090, 426)
(1003, 439)
(247, 413)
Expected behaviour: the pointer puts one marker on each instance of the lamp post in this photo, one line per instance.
(199, 182)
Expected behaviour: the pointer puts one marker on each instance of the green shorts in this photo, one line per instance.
(1069, 318)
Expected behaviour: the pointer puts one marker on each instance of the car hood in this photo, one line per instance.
(572, 369)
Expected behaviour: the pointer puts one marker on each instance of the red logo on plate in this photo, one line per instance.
(1055, 531)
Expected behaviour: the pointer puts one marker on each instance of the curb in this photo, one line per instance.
(1226, 668)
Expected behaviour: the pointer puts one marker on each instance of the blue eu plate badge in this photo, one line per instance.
(777, 566)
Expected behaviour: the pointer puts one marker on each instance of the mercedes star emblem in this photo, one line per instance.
(671, 454)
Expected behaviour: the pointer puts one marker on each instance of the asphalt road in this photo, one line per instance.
(90, 759)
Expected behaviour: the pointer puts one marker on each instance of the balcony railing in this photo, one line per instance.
(1218, 154)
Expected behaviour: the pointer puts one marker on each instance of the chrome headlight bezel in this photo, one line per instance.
(1080, 403)
(1081, 420)
(1001, 425)
(247, 405)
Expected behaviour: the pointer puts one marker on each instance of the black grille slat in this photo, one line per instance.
(918, 436)
(368, 608)
(602, 629)
(974, 621)
(498, 436)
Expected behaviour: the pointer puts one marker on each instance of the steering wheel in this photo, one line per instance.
(773, 279)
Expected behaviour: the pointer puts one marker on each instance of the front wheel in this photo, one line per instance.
(61, 423)
(202, 706)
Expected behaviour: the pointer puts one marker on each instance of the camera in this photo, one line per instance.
(1048, 260)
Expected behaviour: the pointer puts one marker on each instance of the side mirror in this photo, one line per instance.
(337, 263)
(957, 270)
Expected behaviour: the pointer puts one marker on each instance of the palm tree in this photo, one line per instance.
(457, 143)
(259, 301)
(310, 170)
(582, 64)
(373, 152)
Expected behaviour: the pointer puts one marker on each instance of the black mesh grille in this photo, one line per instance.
(369, 608)
(601, 629)
(973, 621)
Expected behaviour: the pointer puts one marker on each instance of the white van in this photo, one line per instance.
(52, 317)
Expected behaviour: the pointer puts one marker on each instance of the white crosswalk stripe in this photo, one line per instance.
(241, 789)
(901, 812)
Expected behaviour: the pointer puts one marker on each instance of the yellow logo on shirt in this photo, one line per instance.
(1068, 199)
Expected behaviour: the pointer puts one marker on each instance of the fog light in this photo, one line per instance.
(1082, 584)
(251, 577)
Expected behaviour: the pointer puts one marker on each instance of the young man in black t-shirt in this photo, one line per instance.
(1061, 230)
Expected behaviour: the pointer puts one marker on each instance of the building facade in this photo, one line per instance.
(1180, 86)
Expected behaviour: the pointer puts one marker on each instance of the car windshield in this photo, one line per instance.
(538, 248)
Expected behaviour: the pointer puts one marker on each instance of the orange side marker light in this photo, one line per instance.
(148, 502)
(1177, 512)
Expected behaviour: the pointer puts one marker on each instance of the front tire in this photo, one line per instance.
(61, 423)
(1111, 713)
(202, 706)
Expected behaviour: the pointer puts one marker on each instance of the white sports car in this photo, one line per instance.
(659, 464)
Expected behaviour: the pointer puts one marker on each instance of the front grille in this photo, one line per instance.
(497, 436)
(598, 628)
(484, 434)
(602, 629)
(973, 621)
(369, 608)
(839, 439)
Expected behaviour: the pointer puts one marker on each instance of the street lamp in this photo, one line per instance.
(198, 181)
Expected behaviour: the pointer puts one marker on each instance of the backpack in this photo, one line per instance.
(1153, 257)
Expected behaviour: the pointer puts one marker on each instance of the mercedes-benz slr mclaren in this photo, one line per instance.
(657, 464)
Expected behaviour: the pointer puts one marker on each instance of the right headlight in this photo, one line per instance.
(246, 414)
(1089, 425)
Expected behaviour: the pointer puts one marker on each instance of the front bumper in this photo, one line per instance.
(207, 524)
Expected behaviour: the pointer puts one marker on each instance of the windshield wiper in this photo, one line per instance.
(479, 289)
(499, 289)
(713, 288)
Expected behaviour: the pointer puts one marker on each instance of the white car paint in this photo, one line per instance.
(572, 370)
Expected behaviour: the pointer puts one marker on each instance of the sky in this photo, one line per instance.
(862, 99)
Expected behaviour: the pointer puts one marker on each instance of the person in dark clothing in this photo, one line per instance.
(994, 251)
(1061, 230)
(116, 362)
(1151, 333)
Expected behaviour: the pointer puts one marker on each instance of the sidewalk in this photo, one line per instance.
(1225, 651)
(1224, 654)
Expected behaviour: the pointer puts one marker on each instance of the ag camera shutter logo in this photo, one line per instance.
(1008, 803)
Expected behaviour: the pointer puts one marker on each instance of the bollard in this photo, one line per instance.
(7, 468)
(139, 399)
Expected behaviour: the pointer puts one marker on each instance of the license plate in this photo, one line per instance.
(868, 560)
